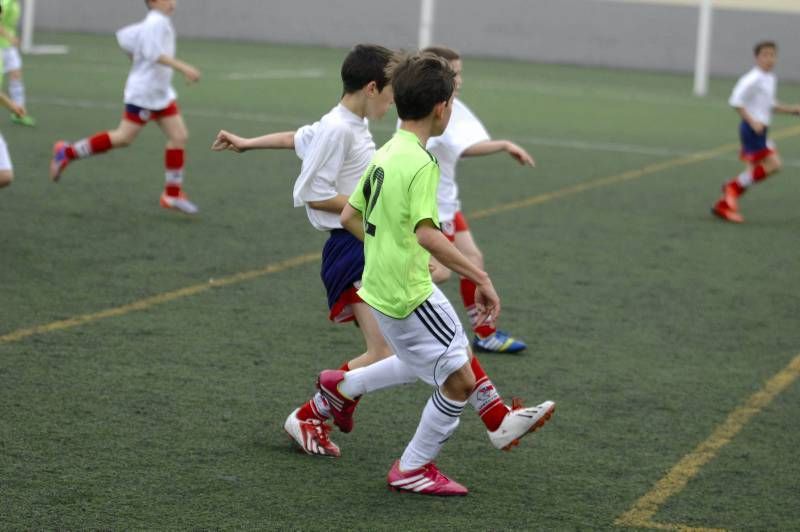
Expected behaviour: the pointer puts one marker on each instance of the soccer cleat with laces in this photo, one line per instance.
(723, 209)
(342, 408)
(179, 203)
(518, 422)
(59, 161)
(311, 435)
(498, 342)
(427, 480)
(25, 120)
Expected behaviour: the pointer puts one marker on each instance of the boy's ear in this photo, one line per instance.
(371, 88)
(438, 109)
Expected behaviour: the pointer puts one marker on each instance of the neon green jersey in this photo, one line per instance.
(397, 191)
(9, 19)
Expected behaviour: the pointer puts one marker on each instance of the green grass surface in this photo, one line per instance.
(648, 320)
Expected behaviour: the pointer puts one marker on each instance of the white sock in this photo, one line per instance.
(745, 178)
(385, 373)
(16, 89)
(439, 421)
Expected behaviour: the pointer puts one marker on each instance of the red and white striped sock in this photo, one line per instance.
(173, 163)
(468, 297)
(94, 145)
(743, 181)
(485, 398)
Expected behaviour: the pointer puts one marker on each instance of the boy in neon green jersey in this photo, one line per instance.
(394, 210)
(12, 61)
(6, 168)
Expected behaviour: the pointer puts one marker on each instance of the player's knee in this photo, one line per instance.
(15, 75)
(6, 177)
(178, 139)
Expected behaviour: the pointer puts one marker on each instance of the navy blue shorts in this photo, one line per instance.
(342, 268)
(755, 147)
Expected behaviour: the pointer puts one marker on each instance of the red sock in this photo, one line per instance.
(309, 411)
(759, 174)
(486, 399)
(173, 163)
(468, 297)
(93, 145)
(734, 185)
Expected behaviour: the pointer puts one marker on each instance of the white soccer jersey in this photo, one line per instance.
(149, 83)
(755, 91)
(335, 151)
(463, 130)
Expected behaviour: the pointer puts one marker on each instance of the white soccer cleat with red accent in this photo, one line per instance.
(520, 421)
(179, 203)
(427, 480)
(311, 435)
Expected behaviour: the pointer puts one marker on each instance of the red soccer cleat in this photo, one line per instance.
(311, 435)
(427, 480)
(723, 210)
(59, 161)
(342, 408)
(731, 193)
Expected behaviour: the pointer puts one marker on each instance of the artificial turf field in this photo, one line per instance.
(148, 359)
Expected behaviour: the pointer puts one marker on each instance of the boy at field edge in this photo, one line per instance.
(149, 95)
(12, 61)
(335, 152)
(395, 212)
(6, 168)
(465, 136)
(754, 99)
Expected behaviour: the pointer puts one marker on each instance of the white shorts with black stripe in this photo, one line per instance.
(430, 340)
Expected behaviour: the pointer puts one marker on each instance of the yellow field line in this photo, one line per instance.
(146, 303)
(159, 299)
(641, 514)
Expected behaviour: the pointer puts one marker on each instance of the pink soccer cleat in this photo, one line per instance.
(179, 203)
(342, 408)
(311, 435)
(427, 480)
(59, 161)
(722, 209)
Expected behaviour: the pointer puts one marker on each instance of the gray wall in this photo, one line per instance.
(586, 32)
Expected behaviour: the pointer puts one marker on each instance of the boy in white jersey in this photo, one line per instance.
(149, 95)
(12, 61)
(465, 136)
(394, 210)
(754, 99)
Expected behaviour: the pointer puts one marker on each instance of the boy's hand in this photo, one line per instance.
(228, 141)
(17, 110)
(517, 152)
(487, 303)
(757, 126)
(191, 74)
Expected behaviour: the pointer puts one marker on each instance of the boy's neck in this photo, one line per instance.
(421, 128)
(356, 103)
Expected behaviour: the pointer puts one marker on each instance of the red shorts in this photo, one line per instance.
(138, 115)
(342, 310)
(756, 157)
(456, 225)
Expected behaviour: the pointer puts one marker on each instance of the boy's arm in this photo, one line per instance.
(352, 221)
(13, 39)
(336, 204)
(189, 72)
(9, 104)
(488, 147)
(757, 126)
(486, 299)
(786, 109)
(273, 141)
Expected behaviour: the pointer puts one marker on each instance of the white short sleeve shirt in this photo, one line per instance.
(463, 130)
(756, 92)
(335, 151)
(149, 83)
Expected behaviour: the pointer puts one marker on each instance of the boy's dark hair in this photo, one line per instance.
(764, 44)
(365, 63)
(420, 81)
(443, 51)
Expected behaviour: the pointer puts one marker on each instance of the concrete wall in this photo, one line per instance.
(588, 32)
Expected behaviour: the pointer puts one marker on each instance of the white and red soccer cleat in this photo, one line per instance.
(520, 421)
(427, 480)
(179, 203)
(59, 161)
(722, 209)
(311, 435)
(342, 408)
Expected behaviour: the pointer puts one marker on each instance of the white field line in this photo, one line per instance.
(295, 121)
